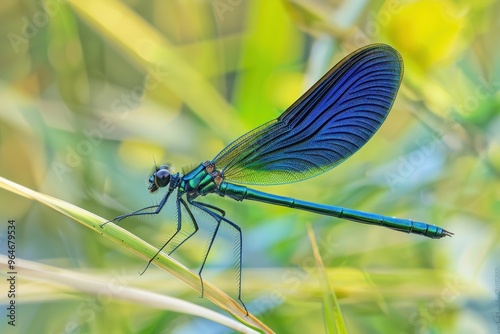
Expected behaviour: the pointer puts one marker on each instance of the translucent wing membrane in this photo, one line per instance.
(329, 123)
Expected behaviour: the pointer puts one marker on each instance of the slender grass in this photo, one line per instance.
(334, 321)
(141, 248)
(35, 271)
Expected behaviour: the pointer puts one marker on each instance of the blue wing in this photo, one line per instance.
(328, 124)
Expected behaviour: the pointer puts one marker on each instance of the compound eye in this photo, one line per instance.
(162, 178)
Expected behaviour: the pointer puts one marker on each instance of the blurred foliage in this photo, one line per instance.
(93, 91)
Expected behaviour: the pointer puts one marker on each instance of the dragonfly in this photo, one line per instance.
(324, 127)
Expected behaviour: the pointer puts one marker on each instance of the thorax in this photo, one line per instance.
(202, 180)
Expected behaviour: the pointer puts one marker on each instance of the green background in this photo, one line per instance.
(92, 91)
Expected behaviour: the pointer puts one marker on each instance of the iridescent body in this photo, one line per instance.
(328, 124)
(200, 182)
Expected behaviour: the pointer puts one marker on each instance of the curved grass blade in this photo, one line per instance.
(139, 247)
(80, 282)
(334, 321)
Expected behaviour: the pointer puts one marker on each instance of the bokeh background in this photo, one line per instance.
(92, 91)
